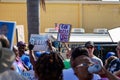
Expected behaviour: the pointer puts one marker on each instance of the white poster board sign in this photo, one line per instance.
(8, 29)
(114, 34)
(39, 42)
(64, 32)
(20, 33)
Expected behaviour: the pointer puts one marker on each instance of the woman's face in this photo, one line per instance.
(81, 69)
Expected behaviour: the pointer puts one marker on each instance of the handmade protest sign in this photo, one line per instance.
(64, 32)
(7, 28)
(20, 33)
(39, 42)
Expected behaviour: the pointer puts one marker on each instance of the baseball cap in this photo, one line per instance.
(89, 43)
(110, 54)
(37, 53)
(21, 43)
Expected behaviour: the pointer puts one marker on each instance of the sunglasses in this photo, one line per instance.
(84, 64)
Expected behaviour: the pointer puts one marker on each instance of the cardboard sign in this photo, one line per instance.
(20, 33)
(64, 32)
(114, 34)
(8, 29)
(39, 42)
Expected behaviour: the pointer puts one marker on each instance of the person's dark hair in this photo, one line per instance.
(78, 52)
(5, 42)
(49, 66)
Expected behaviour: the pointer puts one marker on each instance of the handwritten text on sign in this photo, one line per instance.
(64, 32)
(40, 42)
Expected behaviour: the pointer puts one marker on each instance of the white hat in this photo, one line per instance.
(7, 57)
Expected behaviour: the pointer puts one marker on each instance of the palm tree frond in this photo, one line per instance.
(42, 3)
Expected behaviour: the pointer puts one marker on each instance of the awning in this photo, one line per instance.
(87, 37)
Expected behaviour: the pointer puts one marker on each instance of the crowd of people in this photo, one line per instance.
(23, 63)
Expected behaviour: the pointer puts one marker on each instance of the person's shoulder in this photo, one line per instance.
(96, 60)
(95, 57)
(96, 77)
(68, 74)
(68, 70)
(25, 57)
(116, 60)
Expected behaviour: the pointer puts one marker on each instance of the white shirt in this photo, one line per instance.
(96, 59)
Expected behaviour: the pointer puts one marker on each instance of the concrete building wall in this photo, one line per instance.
(85, 15)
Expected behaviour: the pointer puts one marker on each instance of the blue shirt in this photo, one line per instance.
(26, 60)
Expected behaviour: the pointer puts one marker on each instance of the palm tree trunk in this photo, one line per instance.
(33, 7)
